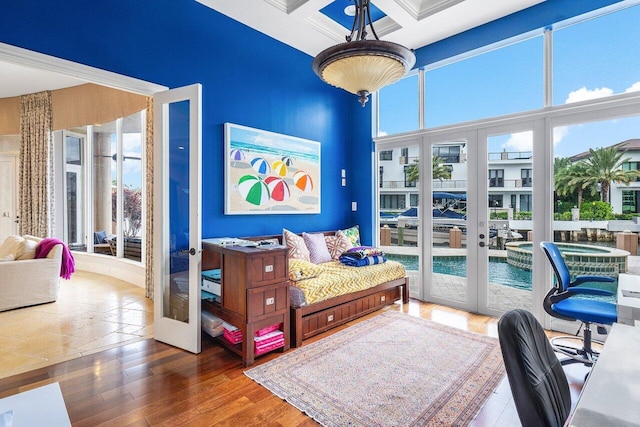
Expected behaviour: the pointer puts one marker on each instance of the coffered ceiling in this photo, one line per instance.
(313, 25)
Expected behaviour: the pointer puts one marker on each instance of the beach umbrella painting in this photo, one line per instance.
(278, 188)
(237, 155)
(280, 168)
(303, 181)
(287, 160)
(254, 190)
(260, 165)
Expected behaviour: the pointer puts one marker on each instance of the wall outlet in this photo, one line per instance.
(354, 206)
(268, 268)
(330, 318)
(383, 298)
(270, 301)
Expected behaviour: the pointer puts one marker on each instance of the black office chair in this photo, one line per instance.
(538, 384)
(559, 303)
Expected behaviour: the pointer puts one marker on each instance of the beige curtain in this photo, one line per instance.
(36, 165)
(149, 210)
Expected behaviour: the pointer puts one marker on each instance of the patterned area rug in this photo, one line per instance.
(390, 370)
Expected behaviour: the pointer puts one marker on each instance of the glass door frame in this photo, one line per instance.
(536, 126)
(182, 334)
(430, 140)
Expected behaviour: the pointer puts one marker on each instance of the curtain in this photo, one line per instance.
(148, 256)
(36, 195)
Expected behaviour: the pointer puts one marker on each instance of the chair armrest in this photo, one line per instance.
(586, 278)
(589, 291)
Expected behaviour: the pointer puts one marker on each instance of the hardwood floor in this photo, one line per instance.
(151, 383)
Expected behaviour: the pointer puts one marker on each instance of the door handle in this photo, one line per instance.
(192, 251)
(481, 244)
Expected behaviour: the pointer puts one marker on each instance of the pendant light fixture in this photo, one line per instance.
(362, 66)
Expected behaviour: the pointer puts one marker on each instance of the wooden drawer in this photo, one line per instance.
(266, 268)
(267, 300)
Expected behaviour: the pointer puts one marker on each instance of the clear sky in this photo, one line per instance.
(593, 58)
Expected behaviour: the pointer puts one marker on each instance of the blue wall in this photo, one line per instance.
(247, 78)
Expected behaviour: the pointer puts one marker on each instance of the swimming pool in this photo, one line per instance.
(499, 270)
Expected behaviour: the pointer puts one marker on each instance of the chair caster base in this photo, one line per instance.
(575, 353)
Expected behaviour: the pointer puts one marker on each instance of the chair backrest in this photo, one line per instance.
(538, 384)
(560, 269)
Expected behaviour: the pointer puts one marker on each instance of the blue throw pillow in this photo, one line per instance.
(99, 237)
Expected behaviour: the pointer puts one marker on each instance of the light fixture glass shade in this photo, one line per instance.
(363, 67)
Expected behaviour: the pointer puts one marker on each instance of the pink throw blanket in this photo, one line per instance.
(68, 263)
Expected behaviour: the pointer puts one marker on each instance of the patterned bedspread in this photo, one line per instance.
(319, 282)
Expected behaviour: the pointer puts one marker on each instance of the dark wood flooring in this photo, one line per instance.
(151, 383)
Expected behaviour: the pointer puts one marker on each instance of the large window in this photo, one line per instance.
(113, 200)
(392, 201)
(398, 107)
(447, 154)
(598, 57)
(496, 177)
(485, 85)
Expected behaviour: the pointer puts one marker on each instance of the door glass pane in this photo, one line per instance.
(72, 209)
(176, 298)
(449, 212)
(132, 186)
(510, 166)
(104, 184)
(399, 197)
(74, 215)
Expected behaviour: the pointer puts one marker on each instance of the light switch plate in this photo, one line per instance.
(354, 206)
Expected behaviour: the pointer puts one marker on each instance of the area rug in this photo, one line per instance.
(390, 370)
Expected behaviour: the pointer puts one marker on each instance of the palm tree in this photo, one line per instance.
(570, 178)
(440, 171)
(603, 167)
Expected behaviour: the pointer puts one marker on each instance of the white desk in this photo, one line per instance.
(628, 307)
(611, 395)
(42, 406)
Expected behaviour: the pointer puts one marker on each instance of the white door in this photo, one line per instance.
(8, 199)
(177, 216)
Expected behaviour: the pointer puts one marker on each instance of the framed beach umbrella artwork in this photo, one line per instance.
(270, 173)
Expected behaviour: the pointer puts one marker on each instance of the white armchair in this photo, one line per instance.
(27, 281)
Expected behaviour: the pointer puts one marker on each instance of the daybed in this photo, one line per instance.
(328, 308)
(26, 281)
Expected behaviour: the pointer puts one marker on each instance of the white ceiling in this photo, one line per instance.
(412, 23)
(16, 80)
(300, 24)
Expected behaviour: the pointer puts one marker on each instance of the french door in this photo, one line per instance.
(177, 216)
(481, 185)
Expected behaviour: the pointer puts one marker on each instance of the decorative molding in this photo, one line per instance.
(28, 58)
(420, 9)
(286, 6)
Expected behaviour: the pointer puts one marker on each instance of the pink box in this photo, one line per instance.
(268, 329)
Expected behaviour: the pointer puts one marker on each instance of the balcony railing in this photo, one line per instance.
(461, 184)
(511, 155)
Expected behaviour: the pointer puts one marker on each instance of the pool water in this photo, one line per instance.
(500, 272)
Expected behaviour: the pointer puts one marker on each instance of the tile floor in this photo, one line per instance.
(93, 313)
